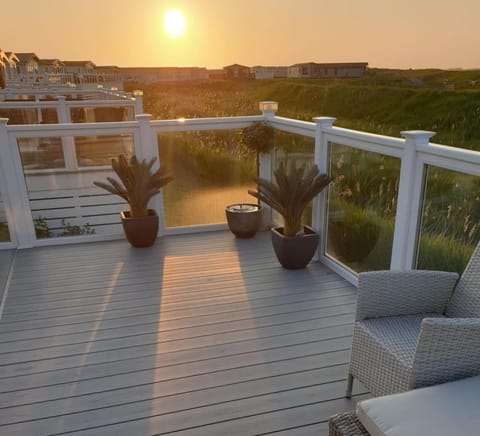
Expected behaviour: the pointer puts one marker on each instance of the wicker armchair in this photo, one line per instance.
(416, 328)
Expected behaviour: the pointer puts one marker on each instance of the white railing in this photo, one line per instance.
(52, 80)
(34, 99)
(414, 151)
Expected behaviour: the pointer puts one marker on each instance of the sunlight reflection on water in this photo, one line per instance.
(202, 206)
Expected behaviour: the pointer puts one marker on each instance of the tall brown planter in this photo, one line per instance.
(295, 252)
(140, 231)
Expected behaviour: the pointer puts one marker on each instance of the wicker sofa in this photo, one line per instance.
(416, 328)
(441, 410)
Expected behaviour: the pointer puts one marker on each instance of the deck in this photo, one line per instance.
(199, 335)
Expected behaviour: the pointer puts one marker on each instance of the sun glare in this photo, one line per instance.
(174, 23)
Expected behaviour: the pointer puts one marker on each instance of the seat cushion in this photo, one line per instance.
(397, 334)
(442, 410)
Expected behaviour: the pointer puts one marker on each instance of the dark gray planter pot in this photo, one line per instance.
(294, 252)
(140, 232)
(244, 219)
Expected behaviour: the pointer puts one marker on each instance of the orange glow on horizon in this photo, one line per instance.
(217, 33)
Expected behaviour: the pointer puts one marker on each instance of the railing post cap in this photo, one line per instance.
(143, 117)
(268, 108)
(324, 121)
(419, 137)
(61, 97)
(3, 121)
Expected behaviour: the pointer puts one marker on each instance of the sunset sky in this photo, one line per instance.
(384, 33)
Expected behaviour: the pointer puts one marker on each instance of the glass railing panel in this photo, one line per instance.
(48, 116)
(41, 153)
(299, 150)
(64, 200)
(361, 207)
(101, 114)
(21, 116)
(450, 224)
(99, 150)
(4, 232)
(211, 169)
(30, 116)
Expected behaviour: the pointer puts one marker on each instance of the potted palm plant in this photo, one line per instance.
(294, 243)
(137, 185)
(244, 219)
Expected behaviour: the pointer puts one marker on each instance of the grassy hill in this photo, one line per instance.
(384, 101)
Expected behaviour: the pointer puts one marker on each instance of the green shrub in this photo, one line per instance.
(43, 231)
(353, 237)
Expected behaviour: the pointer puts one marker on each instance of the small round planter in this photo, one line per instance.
(142, 231)
(294, 252)
(244, 219)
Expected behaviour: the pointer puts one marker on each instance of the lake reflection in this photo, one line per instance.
(187, 207)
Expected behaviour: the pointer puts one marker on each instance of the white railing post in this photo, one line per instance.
(269, 109)
(39, 110)
(130, 110)
(409, 199)
(266, 160)
(138, 95)
(68, 142)
(15, 192)
(147, 148)
(319, 210)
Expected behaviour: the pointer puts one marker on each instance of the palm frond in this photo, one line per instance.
(292, 191)
(137, 183)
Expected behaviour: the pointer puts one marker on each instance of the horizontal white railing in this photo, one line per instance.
(63, 107)
(45, 104)
(39, 93)
(192, 124)
(414, 151)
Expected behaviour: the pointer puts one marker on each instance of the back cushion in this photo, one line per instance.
(465, 302)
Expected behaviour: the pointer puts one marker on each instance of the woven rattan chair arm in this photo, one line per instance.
(448, 349)
(391, 293)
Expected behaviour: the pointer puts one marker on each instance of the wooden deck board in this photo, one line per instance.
(200, 334)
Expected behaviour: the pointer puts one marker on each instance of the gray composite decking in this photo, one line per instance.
(201, 334)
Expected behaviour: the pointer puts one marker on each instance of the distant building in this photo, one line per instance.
(11, 65)
(216, 74)
(261, 72)
(50, 66)
(163, 74)
(312, 70)
(27, 64)
(237, 71)
(78, 67)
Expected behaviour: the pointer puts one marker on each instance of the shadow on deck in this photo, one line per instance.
(201, 335)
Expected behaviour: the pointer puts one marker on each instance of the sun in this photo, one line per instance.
(174, 23)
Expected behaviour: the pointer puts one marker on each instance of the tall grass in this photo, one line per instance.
(383, 103)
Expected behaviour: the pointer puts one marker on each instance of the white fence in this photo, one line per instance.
(67, 194)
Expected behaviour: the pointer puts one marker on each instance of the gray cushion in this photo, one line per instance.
(442, 410)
